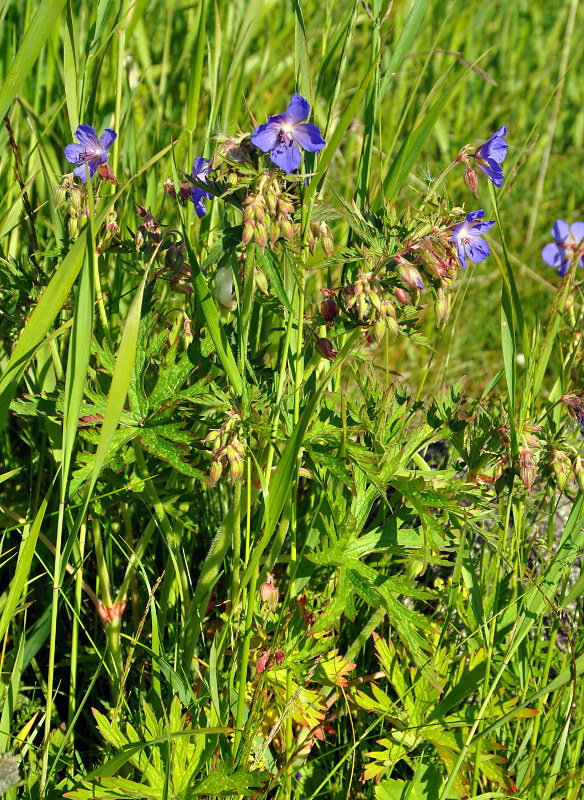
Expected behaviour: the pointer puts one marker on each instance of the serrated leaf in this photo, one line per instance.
(222, 782)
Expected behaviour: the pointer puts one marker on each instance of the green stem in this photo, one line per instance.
(165, 526)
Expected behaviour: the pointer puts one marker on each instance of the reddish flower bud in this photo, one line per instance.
(329, 310)
(527, 468)
(325, 348)
(402, 297)
(106, 173)
(471, 179)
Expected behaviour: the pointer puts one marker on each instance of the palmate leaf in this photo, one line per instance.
(166, 442)
(222, 782)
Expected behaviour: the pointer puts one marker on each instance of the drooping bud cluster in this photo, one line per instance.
(179, 272)
(434, 256)
(366, 296)
(268, 213)
(149, 233)
(76, 199)
(226, 446)
(109, 233)
(319, 232)
(269, 593)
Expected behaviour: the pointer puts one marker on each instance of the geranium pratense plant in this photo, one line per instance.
(90, 151)
(467, 238)
(569, 241)
(282, 134)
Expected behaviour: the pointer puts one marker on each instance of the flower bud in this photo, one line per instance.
(261, 235)
(269, 593)
(471, 179)
(442, 306)
(410, 275)
(324, 347)
(326, 239)
(260, 280)
(59, 194)
(140, 237)
(248, 232)
(106, 173)
(329, 310)
(562, 467)
(379, 329)
(215, 473)
(579, 472)
(402, 297)
(527, 468)
(72, 226)
(391, 318)
(286, 228)
(75, 199)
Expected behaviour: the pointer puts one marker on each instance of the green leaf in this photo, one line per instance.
(222, 782)
(36, 35)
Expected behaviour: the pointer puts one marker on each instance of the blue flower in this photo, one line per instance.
(198, 196)
(569, 240)
(466, 237)
(90, 150)
(490, 155)
(282, 134)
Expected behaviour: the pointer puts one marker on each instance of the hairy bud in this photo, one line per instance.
(527, 468)
(329, 310)
(324, 347)
(471, 179)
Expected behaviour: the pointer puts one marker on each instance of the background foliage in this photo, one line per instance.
(420, 634)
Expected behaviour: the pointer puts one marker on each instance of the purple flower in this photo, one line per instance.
(490, 155)
(569, 241)
(90, 150)
(282, 134)
(467, 238)
(198, 196)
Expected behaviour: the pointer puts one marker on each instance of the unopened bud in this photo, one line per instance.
(329, 310)
(410, 275)
(269, 593)
(326, 239)
(140, 237)
(75, 198)
(562, 467)
(527, 468)
(579, 472)
(59, 194)
(471, 179)
(379, 329)
(261, 235)
(402, 297)
(286, 228)
(72, 226)
(324, 347)
(442, 306)
(248, 232)
(215, 473)
(260, 280)
(391, 318)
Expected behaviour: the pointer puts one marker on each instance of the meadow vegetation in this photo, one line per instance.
(291, 405)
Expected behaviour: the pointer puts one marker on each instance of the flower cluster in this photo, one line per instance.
(226, 446)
